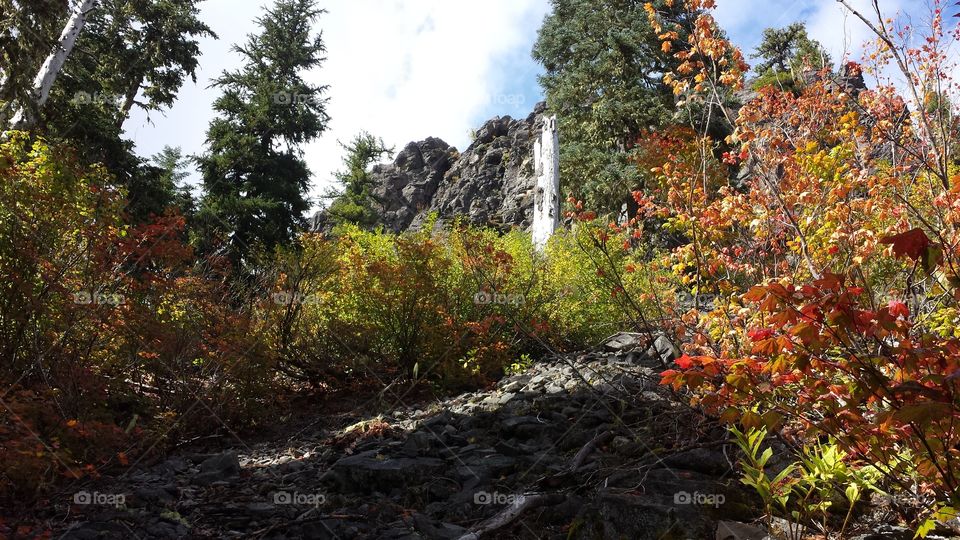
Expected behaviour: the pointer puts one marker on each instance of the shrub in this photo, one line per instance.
(109, 335)
(830, 248)
(454, 307)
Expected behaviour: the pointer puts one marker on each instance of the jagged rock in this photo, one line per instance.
(410, 183)
(454, 463)
(663, 349)
(372, 470)
(648, 519)
(625, 341)
(491, 183)
(433, 529)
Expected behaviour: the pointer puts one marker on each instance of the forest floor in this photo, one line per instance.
(579, 446)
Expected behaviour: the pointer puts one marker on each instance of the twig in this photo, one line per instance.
(588, 449)
(520, 505)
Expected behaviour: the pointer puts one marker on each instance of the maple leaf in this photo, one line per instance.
(898, 308)
(758, 334)
(913, 243)
(684, 362)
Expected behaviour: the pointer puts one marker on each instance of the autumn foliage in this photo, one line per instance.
(826, 232)
(113, 338)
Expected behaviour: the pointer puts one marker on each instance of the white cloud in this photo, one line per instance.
(401, 70)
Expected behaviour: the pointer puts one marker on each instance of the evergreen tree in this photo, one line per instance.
(254, 176)
(355, 203)
(604, 68)
(131, 52)
(160, 187)
(786, 54)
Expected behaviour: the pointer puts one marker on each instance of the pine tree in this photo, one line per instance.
(131, 53)
(160, 187)
(254, 177)
(786, 54)
(355, 203)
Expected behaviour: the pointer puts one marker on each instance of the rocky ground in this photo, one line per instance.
(580, 447)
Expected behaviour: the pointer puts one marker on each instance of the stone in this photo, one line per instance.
(443, 461)
(663, 349)
(155, 494)
(260, 509)
(734, 530)
(702, 460)
(370, 470)
(435, 530)
(513, 386)
(625, 341)
(888, 532)
(625, 446)
(218, 468)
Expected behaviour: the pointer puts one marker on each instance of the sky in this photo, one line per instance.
(406, 70)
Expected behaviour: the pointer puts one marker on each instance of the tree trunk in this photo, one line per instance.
(53, 64)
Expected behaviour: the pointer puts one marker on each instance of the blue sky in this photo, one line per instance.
(406, 70)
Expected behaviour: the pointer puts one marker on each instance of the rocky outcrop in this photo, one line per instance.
(407, 186)
(490, 183)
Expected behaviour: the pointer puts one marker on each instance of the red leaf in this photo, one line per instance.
(830, 282)
(913, 243)
(684, 362)
(758, 334)
(755, 294)
(898, 308)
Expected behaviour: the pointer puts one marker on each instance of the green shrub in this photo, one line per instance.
(453, 307)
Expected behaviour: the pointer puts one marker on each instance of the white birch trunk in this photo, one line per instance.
(54, 63)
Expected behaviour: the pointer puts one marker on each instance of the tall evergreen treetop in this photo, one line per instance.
(355, 202)
(254, 175)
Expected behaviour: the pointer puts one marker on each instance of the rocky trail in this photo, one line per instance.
(581, 446)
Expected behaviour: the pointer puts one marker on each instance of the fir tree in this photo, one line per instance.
(254, 176)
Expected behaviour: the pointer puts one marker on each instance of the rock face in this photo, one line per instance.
(491, 183)
(405, 188)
